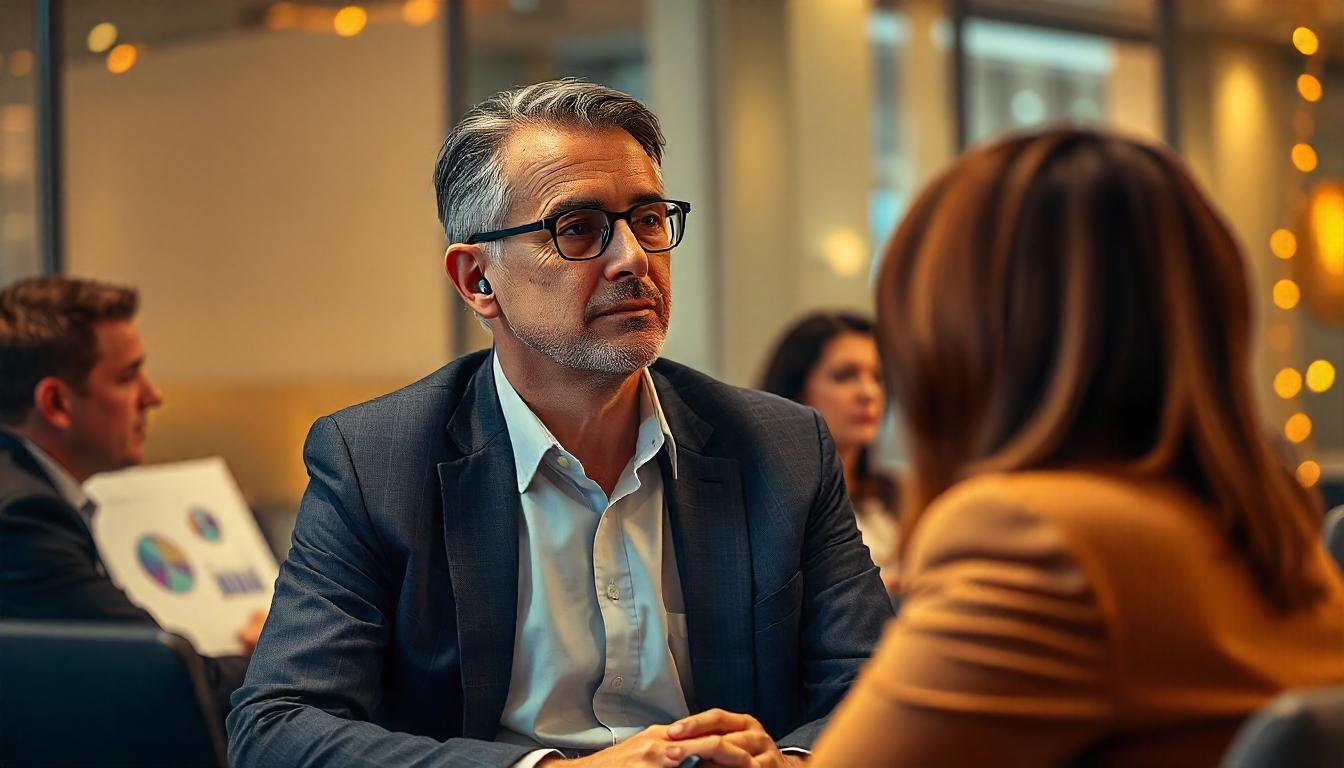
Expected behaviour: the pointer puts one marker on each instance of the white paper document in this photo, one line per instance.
(183, 544)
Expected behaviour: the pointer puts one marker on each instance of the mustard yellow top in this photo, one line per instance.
(1058, 618)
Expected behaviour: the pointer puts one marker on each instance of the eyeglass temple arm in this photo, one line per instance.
(500, 234)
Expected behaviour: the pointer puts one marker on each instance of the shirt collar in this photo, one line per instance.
(532, 441)
(66, 485)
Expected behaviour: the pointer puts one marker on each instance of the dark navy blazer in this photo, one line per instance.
(49, 564)
(391, 637)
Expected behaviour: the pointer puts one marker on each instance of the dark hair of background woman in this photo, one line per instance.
(1072, 299)
(796, 354)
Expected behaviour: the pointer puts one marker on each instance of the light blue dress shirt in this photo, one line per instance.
(600, 648)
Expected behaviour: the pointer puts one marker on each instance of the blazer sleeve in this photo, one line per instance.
(999, 655)
(844, 602)
(316, 674)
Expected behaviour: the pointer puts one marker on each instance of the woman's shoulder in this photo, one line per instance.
(1102, 522)
(1078, 501)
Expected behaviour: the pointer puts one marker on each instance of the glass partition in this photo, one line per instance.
(19, 247)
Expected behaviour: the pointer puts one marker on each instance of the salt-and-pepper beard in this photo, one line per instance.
(592, 352)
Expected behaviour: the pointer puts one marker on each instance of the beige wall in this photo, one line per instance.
(680, 68)
(794, 90)
(830, 70)
(757, 245)
(270, 194)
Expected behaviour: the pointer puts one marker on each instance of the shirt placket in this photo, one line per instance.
(612, 581)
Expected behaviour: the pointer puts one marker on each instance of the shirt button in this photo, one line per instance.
(617, 682)
(613, 593)
(563, 462)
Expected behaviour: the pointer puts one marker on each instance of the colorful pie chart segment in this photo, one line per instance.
(204, 524)
(164, 563)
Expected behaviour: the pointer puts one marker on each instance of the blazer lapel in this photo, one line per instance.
(709, 531)
(480, 533)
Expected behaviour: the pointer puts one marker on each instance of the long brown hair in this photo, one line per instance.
(1070, 297)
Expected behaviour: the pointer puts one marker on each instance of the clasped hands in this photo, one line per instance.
(723, 738)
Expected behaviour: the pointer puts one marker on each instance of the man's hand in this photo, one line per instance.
(645, 749)
(726, 739)
(251, 631)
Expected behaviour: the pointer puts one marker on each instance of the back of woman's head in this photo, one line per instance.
(801, 347)
(1072, 298)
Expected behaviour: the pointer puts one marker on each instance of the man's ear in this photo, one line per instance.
(51, 403)
(466, 265)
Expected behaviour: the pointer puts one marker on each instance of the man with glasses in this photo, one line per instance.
(562, 548)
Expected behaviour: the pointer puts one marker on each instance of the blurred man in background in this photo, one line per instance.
(74, 401)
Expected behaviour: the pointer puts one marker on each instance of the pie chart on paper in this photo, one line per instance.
(204, 524)
(164, 563)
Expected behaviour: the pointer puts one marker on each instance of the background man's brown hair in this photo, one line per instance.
(47, 329)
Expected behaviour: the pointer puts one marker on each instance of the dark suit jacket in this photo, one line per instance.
(49, 565)
(391, 637)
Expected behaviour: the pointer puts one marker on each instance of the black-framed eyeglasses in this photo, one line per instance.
(585, 233)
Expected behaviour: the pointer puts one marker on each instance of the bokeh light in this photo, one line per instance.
(350, 20)
(1305, 41)
(1309, 87)
(418, 13)
(1287, 383)
(1308, 473)
(845, 252)
(1297, 428)
(1286, 294)
(1283, 243)
(102, 36)
(1327, 223)
(1320, 375)
(1304, 158)
(121, 59)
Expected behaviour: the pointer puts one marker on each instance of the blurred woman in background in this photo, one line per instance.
(1103, 561)
(829, 361)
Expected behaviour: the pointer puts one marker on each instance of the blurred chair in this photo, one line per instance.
(104, 694)
(1332, 491)
(1334, 534)
(1302, 728)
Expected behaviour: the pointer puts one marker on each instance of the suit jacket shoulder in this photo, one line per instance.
(778, 441)
(424, 404)
(48, 548)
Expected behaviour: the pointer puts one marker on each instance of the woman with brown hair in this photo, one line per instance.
(1103, 561)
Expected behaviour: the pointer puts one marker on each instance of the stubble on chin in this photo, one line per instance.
(632, 345)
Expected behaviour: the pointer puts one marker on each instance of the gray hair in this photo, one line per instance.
(473, 195)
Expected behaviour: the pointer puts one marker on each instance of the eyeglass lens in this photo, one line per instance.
(583, 234)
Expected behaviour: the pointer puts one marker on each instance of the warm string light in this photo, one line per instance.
(121, 58)
(102, 37)
(1319, 376)
(1305, 41)
(1304, 157)
(1283, 243)
(351, 20)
